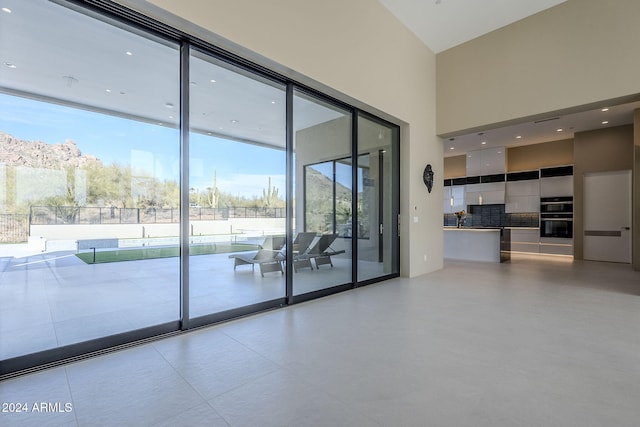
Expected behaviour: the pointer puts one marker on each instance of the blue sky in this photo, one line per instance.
(242, 169)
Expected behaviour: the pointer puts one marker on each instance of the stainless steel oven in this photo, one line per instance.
(559, 205)
(556, 217)
(556, 225)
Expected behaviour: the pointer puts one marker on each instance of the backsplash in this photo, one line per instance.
(494, 216)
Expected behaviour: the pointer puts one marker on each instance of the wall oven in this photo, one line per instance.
(559, 205)
(556, 217)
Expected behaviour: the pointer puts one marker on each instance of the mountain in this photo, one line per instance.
(38, 154)
(321, 186)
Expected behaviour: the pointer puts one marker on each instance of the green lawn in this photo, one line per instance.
(168, 252)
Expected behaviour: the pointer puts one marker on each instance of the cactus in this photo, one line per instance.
(269, 195)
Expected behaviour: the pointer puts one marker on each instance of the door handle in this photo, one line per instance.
(625, 228)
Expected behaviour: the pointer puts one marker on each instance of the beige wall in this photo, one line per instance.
(536, 156)
(524, 158)
(365, 55)
(455, 167)
(577, 53)
(597, 151)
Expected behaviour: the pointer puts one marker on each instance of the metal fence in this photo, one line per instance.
(52, 215)
(14, 228)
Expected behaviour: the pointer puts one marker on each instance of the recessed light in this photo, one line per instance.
(273, 102)
(559, 130)
(212, 81)
(193, 83)
(484, 143)
(6, 10)
(123, 92)
(605, 109)
(519, 137)
(168, 105)
(108, 90)
(10, 65)
(606, 122)
(451, 148)
(129, 53)
(234, 121)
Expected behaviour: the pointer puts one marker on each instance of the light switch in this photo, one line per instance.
(415, 219)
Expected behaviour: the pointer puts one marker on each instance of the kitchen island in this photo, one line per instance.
(477, 244)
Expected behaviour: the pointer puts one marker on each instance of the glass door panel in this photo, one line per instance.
(378, 193)
(89, 199)
(322, 195)
(237, 173)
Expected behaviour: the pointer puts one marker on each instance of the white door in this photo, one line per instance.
(607, 216)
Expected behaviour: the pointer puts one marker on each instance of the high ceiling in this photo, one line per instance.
(443, 24)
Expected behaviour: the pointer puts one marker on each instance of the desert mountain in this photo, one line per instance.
(38, 154)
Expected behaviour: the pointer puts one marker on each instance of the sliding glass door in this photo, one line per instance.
(237, 176)
(150, 184)
(89, 181)
(378, 199)
(321, 243)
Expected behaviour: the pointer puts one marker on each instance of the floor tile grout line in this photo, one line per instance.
(75, 412)
(191, 386)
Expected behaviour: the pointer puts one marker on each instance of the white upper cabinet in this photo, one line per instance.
(557, 186)
(453, 199)
(446, 200)
(486, 162)
(522, 196)
(485, 194)
(458, 196)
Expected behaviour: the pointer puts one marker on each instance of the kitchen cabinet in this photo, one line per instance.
(485, 194)
(522, 196)
(473, 244)
(557, 186)
(556, 246)
(525, 240)
(556, 181)
(486, 162)
(446, 200)
(453, 199)
(459, 199)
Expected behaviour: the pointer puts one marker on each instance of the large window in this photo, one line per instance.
(237, 187)
(323, 195)
(89, 183)
(378, 199)
(150, 185)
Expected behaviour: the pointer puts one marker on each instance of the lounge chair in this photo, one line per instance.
(268, 260)
(301, 246)
(275, 243)
(321, 251)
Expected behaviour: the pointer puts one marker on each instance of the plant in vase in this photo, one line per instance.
(460, 215)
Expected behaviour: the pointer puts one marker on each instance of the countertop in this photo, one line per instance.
(475, 230)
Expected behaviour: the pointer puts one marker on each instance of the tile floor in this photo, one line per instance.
(533, 342)
(54, 299)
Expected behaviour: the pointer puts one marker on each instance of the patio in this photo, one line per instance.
(54, 299)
